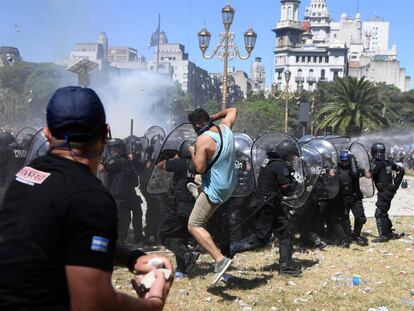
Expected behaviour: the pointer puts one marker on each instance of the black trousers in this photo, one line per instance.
(130, 204)
(383, 204)
(354, 204)
(174, 235)
(338, 220)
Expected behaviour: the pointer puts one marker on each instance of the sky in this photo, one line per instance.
(47, 30)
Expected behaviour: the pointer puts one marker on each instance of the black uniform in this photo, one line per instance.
(382, 171)
(55, 213)
(173, 230)
(121, 182)
(352, 197)
(11, 160)
(274, 173)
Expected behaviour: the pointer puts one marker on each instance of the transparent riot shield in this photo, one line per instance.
(312, 168)
(38, 147)
(245, 177)
(366, 184)
(269, 141)
(327, 185)
(159, 180)
(155, 136)
(340, 142)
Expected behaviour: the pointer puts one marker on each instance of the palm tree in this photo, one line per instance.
(357, 107)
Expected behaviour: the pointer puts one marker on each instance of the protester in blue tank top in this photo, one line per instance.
(213, 156)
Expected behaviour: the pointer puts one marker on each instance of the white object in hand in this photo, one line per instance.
(156, 263)
(149, 278)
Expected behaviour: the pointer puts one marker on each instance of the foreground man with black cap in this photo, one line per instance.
(58, 224)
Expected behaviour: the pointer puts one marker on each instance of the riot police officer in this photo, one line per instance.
(275, 180)
(173, 231)
(121, 181)
(382, 170)
(351, 195)
(12, 158)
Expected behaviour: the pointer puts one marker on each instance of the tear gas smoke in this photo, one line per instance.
(134, 95)
(401, 138)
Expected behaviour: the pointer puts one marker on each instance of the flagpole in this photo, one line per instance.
(158, 41)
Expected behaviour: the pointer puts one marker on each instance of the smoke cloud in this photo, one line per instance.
(391, 138)
(134, 95)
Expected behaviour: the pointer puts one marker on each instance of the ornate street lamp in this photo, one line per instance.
(286, 95)
(226, 48)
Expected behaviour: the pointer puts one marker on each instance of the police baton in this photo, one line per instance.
(131, 131)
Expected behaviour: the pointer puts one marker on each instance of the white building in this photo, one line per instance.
(258, 75)
(174, 62)
(304, 48)
(322, 50)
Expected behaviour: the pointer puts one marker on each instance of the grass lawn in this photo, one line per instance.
(386, 271)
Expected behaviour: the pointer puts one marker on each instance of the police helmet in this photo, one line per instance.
(287, 150)
(76, 114)
(6, 139)
(344, 155)
(378, 151)
(116, 148)
(184, 146)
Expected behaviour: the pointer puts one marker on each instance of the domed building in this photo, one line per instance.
(258, 75)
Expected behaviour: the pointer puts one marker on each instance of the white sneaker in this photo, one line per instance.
(193, 189)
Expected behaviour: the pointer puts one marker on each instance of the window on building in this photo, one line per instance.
(303, 59)
(299, 73)
(320, 59)
(311, 73)
(309, 59)
(297, 59)
(323, 74)
(327, 59)
(314, 59)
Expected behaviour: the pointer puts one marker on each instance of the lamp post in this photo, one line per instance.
(286, 95)
(226, 48)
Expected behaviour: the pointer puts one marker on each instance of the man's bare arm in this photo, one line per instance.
(91, 289)
(229, 115)
(199, 154)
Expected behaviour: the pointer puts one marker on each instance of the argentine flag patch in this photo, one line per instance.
(99, 244)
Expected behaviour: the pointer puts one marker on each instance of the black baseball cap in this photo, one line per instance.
(75, 114)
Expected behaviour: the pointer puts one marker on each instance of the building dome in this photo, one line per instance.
(257, 64)
(163, 38)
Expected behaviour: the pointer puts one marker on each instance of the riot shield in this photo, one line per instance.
(24, 136)
(312, 168)
(366, 183)
(38, 147)
(340, 142)
(159, 180)
(245, 178)
(271, 140)
(327, 185)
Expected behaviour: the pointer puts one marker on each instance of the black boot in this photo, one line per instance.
(318, 243)
(286, 264)
(356, 235)
(190, 259)
(382, 225)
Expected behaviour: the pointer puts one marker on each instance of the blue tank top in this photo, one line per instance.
(220, 180)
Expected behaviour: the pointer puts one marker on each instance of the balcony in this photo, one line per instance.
(299, 79)
(311, 79)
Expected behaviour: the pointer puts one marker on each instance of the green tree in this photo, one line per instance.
(356, 107)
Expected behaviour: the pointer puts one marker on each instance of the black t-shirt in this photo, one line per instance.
(11, 160)
(273, 174)
(382, 171)
(182, 197)
(55, 213)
